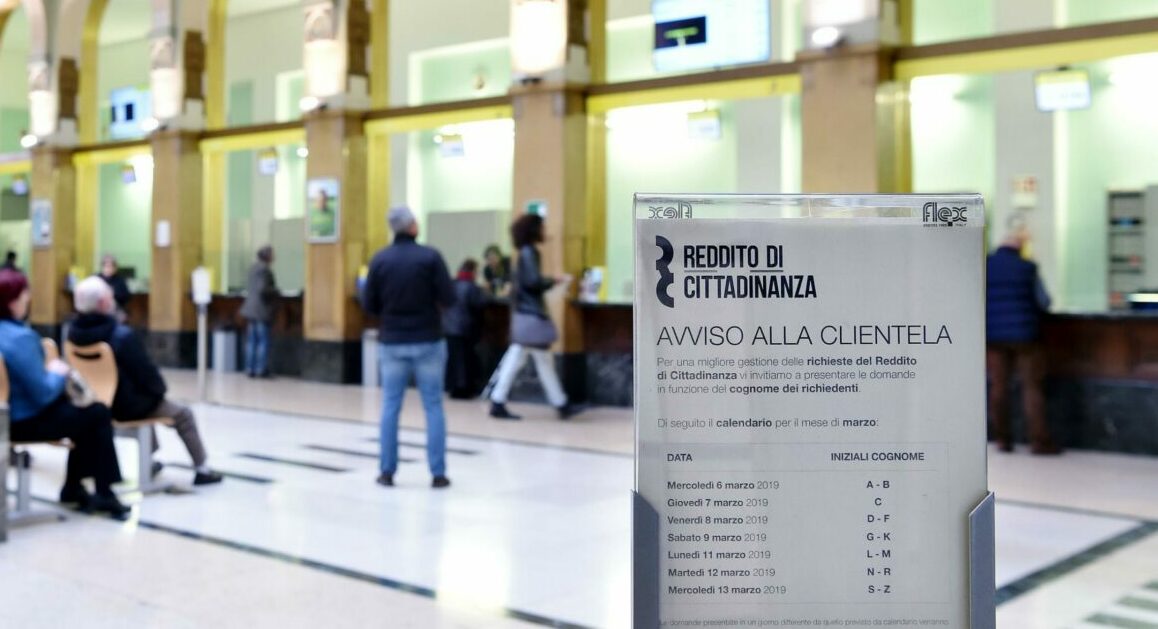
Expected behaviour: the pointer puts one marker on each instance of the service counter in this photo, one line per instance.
(1102, 386)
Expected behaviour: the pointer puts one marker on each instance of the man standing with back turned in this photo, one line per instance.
(406, 288)
(1016, 300)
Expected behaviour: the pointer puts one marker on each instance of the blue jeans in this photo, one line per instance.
(257, 347)
(427, 363)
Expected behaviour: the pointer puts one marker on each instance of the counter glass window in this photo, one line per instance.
(458, 180)
(750, 145)
(1069, 152)
(15, 228)
(124, 214)
(265, 205)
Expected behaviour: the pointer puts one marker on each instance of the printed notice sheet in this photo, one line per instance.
(810, 422)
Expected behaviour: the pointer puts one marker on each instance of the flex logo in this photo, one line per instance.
(943, 214)
(681, 210)
(663, 265)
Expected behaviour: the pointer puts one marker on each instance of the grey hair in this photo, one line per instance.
(90, 293)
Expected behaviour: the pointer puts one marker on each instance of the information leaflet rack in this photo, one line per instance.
(810, 412)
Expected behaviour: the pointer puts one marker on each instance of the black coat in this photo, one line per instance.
(406, 288)
(120, 287)
(140, 387)
(530, 284)
(464, 318)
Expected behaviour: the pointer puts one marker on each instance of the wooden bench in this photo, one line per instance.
(97, 364)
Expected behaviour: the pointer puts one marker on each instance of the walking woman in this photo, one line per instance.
(532, 331)
(40, 409)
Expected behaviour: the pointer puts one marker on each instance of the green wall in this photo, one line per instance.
(1080, 12)
(953, 135)
(124, 217)
(1111, 146)
(936, 21)
(479, 70)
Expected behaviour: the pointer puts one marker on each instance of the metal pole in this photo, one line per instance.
(202, 351)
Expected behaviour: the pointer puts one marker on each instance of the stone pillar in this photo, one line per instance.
(176, 235)
(550, 167)
(839, 116)
(54, 181)
(332, 318)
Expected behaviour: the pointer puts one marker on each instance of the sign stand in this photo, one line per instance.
(202, 297)
(810, 412)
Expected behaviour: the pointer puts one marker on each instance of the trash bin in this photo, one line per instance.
(370, 358)
(225, 350)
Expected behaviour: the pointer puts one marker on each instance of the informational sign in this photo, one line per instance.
(691, 34)
(810, 417)
(202, 286)
(1062, 90)
(324, 210)
(40, 213)
(163, 236)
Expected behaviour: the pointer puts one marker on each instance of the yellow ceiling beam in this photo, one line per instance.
(111, 155)
(760, 87)
(16, 167)
(432, 120)
(253, 141)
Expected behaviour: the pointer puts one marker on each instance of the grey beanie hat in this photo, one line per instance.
(400, 218)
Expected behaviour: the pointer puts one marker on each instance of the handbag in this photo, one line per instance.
(530, 330)
(78, 391)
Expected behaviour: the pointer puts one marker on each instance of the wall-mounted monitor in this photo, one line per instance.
(128, 108)
(696, 34)
(1062, 90)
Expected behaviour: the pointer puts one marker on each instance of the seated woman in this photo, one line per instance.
(40, 410)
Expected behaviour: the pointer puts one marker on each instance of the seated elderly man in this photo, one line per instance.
(140, 387)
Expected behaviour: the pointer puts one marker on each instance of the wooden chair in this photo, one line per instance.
(22, 513)
(98, 366)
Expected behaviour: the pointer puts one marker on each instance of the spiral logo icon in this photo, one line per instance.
(663, 265)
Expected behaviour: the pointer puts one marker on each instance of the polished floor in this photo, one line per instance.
(533, 532)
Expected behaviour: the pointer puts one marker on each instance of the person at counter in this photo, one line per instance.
(462, 323)
(111, 274)
(140, 390)
(1016, 301)
(40, 408)
(10, 262)
(497, 272)
(258, 309)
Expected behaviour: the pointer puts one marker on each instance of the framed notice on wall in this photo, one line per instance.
(323, 210)
(40, 213)
(810, 416)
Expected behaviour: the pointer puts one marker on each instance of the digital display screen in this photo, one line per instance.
(1062, 90)
(694, 34)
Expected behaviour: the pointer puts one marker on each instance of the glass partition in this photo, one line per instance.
(1078, 171)
(458, 179)
(265, 205)
(124, 214)
(750, 146)
(15, 229)
(937, 21)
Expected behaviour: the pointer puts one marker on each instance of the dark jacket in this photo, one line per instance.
(121, 293)
(495, 280)
(530, 285)
(464, 318)
(260, 293)
(1015, 298)
(406, 286)
(140, 387)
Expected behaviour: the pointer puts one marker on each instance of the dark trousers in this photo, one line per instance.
(91, 431)
(1029, 361)
(462, 367)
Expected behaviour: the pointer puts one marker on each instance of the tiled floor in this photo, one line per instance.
(534, 530)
